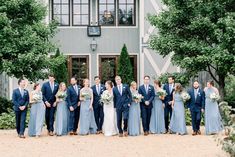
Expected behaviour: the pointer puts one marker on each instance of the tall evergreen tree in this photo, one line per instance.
(125, 69)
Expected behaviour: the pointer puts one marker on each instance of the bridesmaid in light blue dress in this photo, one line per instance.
(157, 121)
(134, 114)
(177, 123)
(213, 121)
(61, 121)
(87, 118)
(37, 112)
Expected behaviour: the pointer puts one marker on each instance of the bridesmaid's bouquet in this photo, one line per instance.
(185, 96)
(86, 95)
(215, 97)
(137, 97)
(36, 97)
(106, 98)
(161, 93)
(61, 95)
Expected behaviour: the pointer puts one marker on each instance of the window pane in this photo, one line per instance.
(126, 14)
(77, 20)
(56, 1)
(56, 9)
(65, 1)
(64, 19)
(122, 9)
(85, 20)
(102, 1)
(130, 1)
(110, 1)
(76, 1)
(122, 1)
(65, 9)
(77, 9)
(85, 9)
(102, 9)
(85, 1)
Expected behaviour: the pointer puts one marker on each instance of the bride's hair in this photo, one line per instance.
(110, 83)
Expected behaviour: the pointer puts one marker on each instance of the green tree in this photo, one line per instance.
(200, 34)
(25, 39)
(60, 70)
(125, 69)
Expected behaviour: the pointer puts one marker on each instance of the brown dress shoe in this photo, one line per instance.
(125, 134)
(194, 133)
(22, 136)
(51, 133)
(71, 133)
(75, 133)
(199, 132)
(120, 135)
(145, 133)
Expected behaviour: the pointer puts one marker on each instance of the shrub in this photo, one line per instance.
(5, 105)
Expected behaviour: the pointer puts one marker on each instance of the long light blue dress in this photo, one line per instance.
(87, 118)
(37, 114)
(177, 123)
(213, 121)
(61, 121)
(134, 118)
(157, 121)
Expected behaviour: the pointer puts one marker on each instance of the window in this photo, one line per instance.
(79, 67)
(60, 11)
(80, 12)
(107, 13)
(126, 12)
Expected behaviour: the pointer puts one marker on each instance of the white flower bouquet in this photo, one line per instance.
(36, 97)
(106, 98)
(137, 97)
(61, 95)
(86, 95)
(161, 93)
(214, 97)
(185, 96)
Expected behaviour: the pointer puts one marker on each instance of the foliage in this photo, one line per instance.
(230, 90)
(182, 78)
(108, 71)
(229, 121)
(5, 105)
(25, 39)
(200, 36)
(125, 69)
(59, 67)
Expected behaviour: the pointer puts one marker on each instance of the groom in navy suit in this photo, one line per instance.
(122, 101)
(147, 91)
(73, 101)
(169, 88)
(49, 90)
(196, 104)
(98, 89)
(20, 98)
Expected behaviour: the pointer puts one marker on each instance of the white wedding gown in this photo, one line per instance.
(110, 120)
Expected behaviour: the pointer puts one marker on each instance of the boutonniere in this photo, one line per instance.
(25, 92)
(55, 85)
(198, 94)
(124, 87)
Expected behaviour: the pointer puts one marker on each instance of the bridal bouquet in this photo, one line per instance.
(106, 97)
(185, 96)
(137, 97)
(86, 95)
(36, 97)
(61, 95)
(215, 97)
(162, 93)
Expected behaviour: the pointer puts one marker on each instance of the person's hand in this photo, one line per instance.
(163, 105)
(54, 105)
(79, 103)
(172, 106)
(170, 102)
(147, 103)
(22, 108)
(71, 108)
(202, 110)
(130, 104)
(48, 104)
(91, 108)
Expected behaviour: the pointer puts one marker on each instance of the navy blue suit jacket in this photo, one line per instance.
(147, 96)
(199, 103)
(169, 96)
(124, 99)
(18, 100)
(48, 95)
(72, 97)
(96, 96)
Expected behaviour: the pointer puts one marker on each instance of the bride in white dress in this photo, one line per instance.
(110, 120)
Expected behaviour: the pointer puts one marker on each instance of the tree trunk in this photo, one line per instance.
(222, 86)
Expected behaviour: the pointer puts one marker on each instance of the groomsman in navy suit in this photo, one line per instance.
(196, 104)
(20, 98)
(147, 91)
(98, 89)
(169, 88)
(122, 101)
(73, 101)
(49, 90)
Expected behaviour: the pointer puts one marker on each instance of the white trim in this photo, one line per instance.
(152, 62)
(10, 87)
(91, 15)
(167, 64)
(96, 12)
